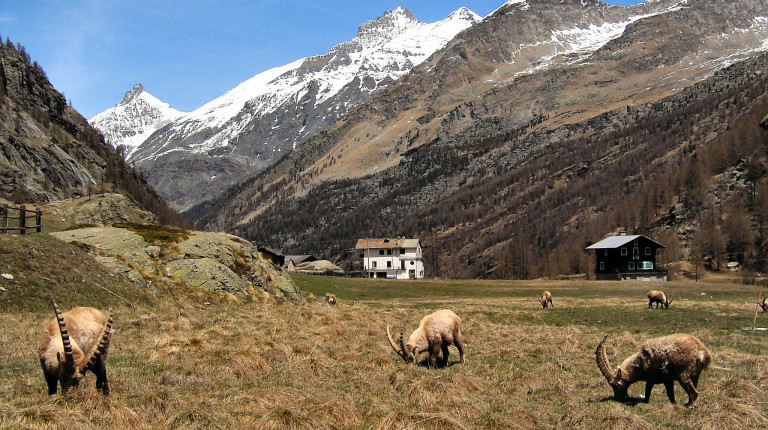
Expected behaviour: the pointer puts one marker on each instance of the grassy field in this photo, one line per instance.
(198, 361)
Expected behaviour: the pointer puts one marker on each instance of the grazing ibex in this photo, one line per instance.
(72, 344)
(658, 297)
(436, 332)
(330, 298)
(762, 304)
(663, 360)
(546, 299)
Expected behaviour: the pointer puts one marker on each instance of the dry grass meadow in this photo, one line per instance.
(200, 362)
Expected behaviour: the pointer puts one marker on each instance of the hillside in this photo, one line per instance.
(510, 168)
(49, 152)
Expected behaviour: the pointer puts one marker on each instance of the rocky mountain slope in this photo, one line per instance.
(495, 136)
(200, 154)
(49, 152)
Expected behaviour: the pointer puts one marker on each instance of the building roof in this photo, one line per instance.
(387, 243)
(270, 250)
(613, 242)
(298, 259)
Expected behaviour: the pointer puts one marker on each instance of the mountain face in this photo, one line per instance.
(134, 119)
(531, 131)
(200, 154)
(49, 152)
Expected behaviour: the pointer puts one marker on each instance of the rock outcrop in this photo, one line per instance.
(107, 209)
(209, 261)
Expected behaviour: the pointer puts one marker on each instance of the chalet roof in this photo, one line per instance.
(270, 250)
(387, 243)
(613, 242)
(298, 259)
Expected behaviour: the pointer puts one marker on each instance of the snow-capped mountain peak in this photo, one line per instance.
(134, 119)
(255, 123)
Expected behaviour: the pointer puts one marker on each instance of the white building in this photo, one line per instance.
(391, 258)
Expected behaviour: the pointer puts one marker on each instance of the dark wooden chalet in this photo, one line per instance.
(627, 257)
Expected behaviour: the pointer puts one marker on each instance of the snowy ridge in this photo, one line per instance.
(134, 119)
(382, 51)
(578, 43)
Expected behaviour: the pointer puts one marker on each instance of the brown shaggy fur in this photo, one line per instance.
(663, 360)
(330, 298)
(546, 299)
(87, 332)
(658, 297)
(436, 332)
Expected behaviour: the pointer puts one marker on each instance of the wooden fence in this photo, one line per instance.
(23, 214)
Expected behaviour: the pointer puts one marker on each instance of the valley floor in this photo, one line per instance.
(187, 363)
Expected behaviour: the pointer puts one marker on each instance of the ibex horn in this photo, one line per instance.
(69, 356)
(106, 336)
(602, 361)
(400, 352)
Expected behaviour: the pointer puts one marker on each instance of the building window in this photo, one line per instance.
(636, 253)
(605, 252)
(634, 243)
(631, 266)
(602, 266)
(623, 251)
(402, 251)
(389, 252)
(645, 265)
(412, 263)
(389, 264)
(381, 252)
(647, 250)
(362, 255)
(373, 264)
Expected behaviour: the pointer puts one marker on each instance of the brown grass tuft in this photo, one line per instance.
(280, 417)
(248, 365)
(405, 420)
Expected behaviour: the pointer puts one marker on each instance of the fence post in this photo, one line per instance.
(39, 220)
(23, 219)
(4, 224)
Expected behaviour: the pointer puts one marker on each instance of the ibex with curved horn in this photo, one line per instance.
(330, 298)
(546, 299)
(658, 297)
(762, 304)
(436, 332)
(663, 360)
(72, 344)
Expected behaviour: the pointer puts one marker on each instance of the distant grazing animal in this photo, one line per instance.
(436, 332)
(330, 298)
(72, 344)
(762, 304)
(546, 299)
(663, 360)
(658, 297)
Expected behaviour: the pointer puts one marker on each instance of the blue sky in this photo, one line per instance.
(187, 52)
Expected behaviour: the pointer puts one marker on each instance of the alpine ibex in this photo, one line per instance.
(436, 332)
(546, 299)
(762, 304)
(330, 298)
(663, 360)
(658, 297)
(72, 344)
